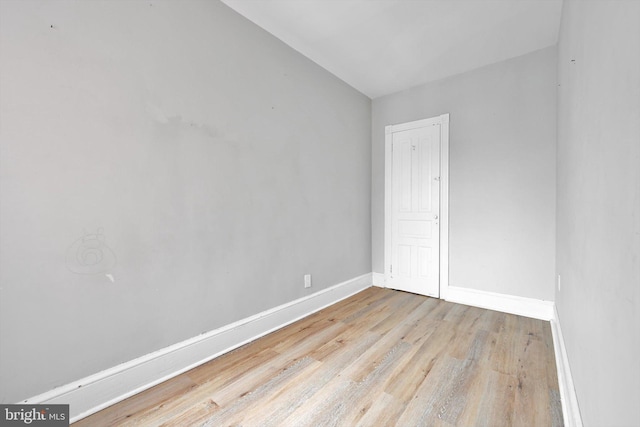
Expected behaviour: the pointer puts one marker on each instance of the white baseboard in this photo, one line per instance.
(570, 408)
(110, 386)
(529, 307)
(378, 280)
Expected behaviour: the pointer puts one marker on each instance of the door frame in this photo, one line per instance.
(443, 121)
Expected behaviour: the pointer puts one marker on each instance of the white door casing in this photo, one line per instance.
(416, 206)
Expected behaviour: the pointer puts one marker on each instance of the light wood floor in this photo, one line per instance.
(379, 358)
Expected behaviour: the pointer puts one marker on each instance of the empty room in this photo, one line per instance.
(320, 212)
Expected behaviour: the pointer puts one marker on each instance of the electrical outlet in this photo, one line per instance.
(559, 283)
(307, 280)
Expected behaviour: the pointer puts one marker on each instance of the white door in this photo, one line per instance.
(415, 210)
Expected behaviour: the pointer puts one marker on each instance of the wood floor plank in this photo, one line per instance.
(378, 358)
(457, 393)
(532, 394)
(385, 411)
(214, 375)
(254, 379)
(369, 360)
(505, 353)
(422, 405)
(423, 324)
(367, 388)
(155, 396)
(404, 386)
(405, 305)
(496, 404)
(232, 412)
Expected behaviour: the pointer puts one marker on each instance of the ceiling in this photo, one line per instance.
(384, 46)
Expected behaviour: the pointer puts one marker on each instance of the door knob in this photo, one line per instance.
(435, 217)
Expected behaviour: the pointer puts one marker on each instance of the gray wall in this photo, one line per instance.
(599, 206)
(220, 164)
(502, 171)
